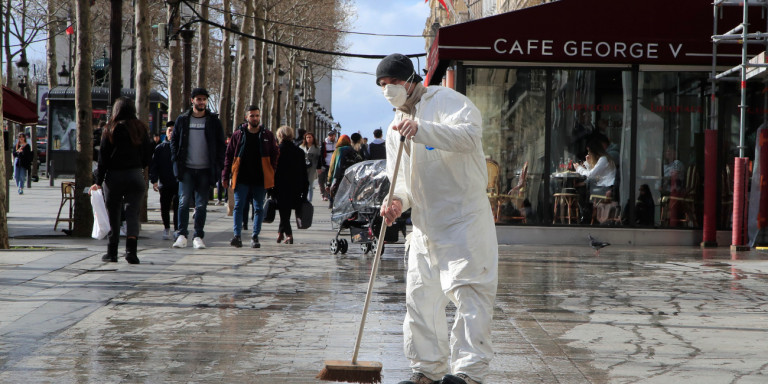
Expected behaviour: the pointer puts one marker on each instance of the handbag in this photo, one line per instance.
(100, 218)
(270, 207)
(304, 215)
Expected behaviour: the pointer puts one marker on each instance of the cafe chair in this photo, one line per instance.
(492, 189)
(684, 202)
(516, 196)
(605, 209)
(67, 197)
(567, 203)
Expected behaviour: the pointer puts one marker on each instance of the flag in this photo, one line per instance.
(70, 30)
(444, 6)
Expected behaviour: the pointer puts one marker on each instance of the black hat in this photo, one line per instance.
(397, 66)
(199, 91)
(332, 132)
(170, 123)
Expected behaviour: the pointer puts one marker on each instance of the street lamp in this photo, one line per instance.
(64, 75)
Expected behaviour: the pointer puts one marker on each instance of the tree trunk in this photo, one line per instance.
(226, 71)
(175, 70)
(243, 69)
(83, 220)
(7, 41)
(4, 185)
(50, 46)
(202, 47)
(143, 76)
(257, 79)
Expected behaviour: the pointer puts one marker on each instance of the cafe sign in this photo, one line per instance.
(654, 32)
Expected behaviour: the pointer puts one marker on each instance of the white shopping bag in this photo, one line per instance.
(100, 218)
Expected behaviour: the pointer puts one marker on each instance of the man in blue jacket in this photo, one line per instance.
(197, 152)
(161, 170)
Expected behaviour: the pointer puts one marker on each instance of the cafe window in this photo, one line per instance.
(512, 102)
(590, 148)
(670, 142)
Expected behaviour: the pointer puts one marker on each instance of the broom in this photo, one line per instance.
(363, 371)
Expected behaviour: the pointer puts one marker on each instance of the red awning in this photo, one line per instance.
(613, 32)
(18, 109)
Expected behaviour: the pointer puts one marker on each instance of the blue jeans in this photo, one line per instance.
(242, 191)
(20, 176)
(194, 181)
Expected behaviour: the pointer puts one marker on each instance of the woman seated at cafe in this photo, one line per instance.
(600, 172)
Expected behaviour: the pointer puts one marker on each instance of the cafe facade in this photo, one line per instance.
(635, 76)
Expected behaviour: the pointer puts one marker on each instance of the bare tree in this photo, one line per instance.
(226, 71)
(202, 47)
(3, 186)
(175, 98)
(143, 77)
(243, 67)
(83, 220)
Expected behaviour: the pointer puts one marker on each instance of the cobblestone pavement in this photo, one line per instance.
(272, 315)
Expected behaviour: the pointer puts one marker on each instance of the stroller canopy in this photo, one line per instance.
(362, 190)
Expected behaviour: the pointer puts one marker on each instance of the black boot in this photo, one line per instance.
(111, 255)
(130, 251)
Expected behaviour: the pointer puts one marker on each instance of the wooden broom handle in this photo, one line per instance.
(377, 256)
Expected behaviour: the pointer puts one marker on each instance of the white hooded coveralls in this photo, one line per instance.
(453, 251)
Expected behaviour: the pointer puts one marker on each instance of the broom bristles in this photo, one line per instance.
(362, 372)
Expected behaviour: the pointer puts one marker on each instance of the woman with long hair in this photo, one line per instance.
(290, 181)
(312, 154)
(23, 161)
(600, 171)
(125, 151)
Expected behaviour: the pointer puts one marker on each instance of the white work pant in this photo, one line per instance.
(425, 329)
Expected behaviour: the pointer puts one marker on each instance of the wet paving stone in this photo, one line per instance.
(273, 315)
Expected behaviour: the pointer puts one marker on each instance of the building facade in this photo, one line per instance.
(553, 78)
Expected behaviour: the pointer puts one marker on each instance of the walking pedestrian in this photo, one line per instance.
(313, 161)
(327, 149)
(377, 149)
(290, 182)
(250, 163)
(22, 162)
(347, 153)
(197, 152)
(453, 251)
(126, 150)
(163, 181)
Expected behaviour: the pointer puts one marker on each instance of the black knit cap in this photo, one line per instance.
(398, 66)
(199, 91)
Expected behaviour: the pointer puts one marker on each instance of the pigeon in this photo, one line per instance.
(597, 244)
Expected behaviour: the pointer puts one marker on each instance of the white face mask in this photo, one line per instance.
(395, 94)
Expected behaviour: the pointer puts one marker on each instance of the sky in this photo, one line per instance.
(358, 104)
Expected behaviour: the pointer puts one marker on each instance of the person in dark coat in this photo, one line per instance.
(291, 182)
(22, 162)
(164, 181)
(125, 151)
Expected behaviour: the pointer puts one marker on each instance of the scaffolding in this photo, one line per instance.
(750, 68)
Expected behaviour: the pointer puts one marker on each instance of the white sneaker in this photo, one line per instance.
(166, 234)
(181, 242)
(197, 243)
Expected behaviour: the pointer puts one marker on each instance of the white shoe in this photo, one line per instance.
(166, 234)
(197, 243)
(181, 242)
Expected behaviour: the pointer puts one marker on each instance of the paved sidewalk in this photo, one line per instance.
(272, 315)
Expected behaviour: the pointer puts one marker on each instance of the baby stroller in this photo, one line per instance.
(356, 207)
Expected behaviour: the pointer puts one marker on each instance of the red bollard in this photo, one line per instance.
(738, 236)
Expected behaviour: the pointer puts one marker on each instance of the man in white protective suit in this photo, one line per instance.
(453, 251)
